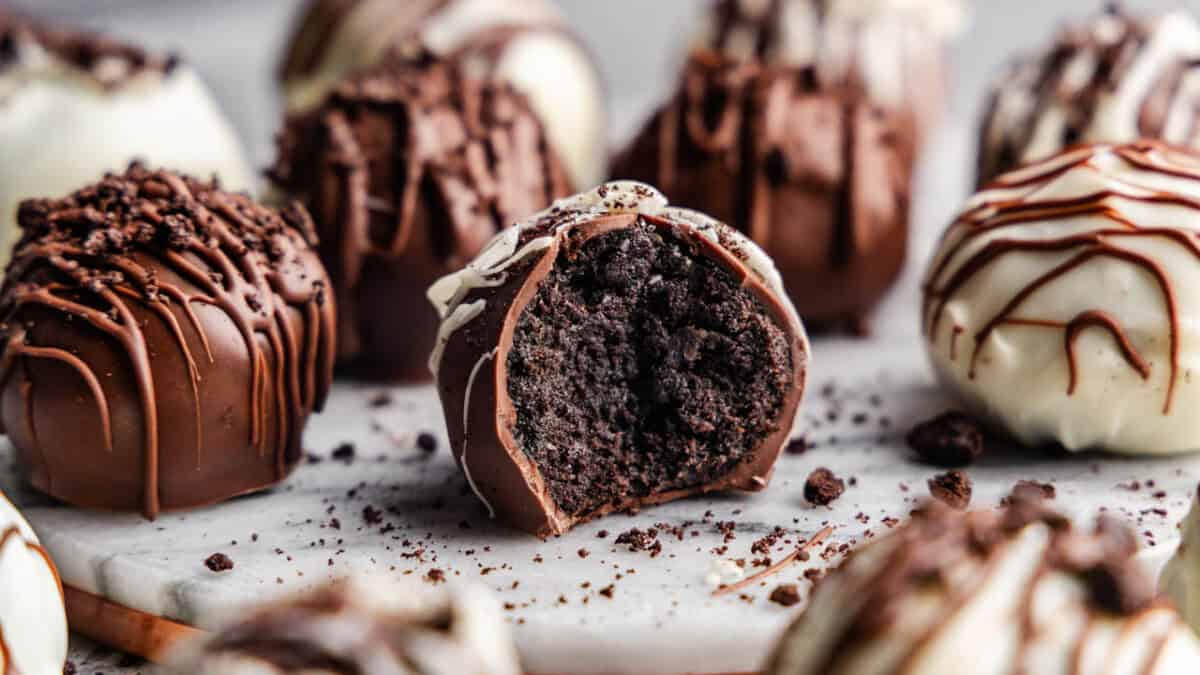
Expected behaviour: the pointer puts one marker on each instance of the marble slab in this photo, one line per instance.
(581, 603)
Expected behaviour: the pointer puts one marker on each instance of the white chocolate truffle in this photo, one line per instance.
(523, 42)
(1181, 578)
(989, 593)
(1115, 79)
(364, 626)
(1064, 304)
(33, 622)
(74, 107)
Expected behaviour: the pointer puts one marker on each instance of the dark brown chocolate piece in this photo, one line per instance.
(951, 440)
(185, 332)
(787, 595)
(218, 562)
(408, 169)
(612, 353)
(823, 488)
(952, 488)
(816, 175)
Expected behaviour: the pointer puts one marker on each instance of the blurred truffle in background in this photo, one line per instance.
(409, 168)
(798, 122)
(523, 42)
(1116, 78)
(75, 105)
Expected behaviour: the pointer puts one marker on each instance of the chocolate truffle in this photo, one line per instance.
(184, 334)
(363, 626)
(1059, 304)
(798, 125)
(1181, 578)
(887, 49)
(1017, 591)
(74, 106)
(409, 168)
(1117, 78)
(33, 622)
(523, 42)
(614, 352)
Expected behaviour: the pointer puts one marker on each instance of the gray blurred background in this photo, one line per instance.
(236, 45)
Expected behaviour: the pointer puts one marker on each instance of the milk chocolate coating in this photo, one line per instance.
(164, 343)
(409, 168)
(817, 176)
(489, 304)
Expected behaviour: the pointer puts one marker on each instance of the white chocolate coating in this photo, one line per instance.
(1064, 304)
(60, 129)
(1181, 578)
(380, 625)
(33, 622)
(1034, 117)
(981, 628)
(540, 59)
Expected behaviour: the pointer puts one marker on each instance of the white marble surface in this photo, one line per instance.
(661, 617)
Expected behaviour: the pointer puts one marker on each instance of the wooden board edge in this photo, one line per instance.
(128, 630)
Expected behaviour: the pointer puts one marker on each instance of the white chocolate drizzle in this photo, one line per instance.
(467, 430)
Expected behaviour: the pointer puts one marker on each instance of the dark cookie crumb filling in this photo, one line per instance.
(641, 366)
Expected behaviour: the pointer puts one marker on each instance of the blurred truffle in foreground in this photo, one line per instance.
(1117, 78)
(525, 43)
(613, 352)
(185, 333)
(799, 127)
(409, 168)
(75, 105)
(1015, 591)
(364, 626)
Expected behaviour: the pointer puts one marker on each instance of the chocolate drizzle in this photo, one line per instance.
(149, 245)
(815, 174)
(958, 558)
(957, 265)
(1117, 78)
(409, 169)
(110, 63)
